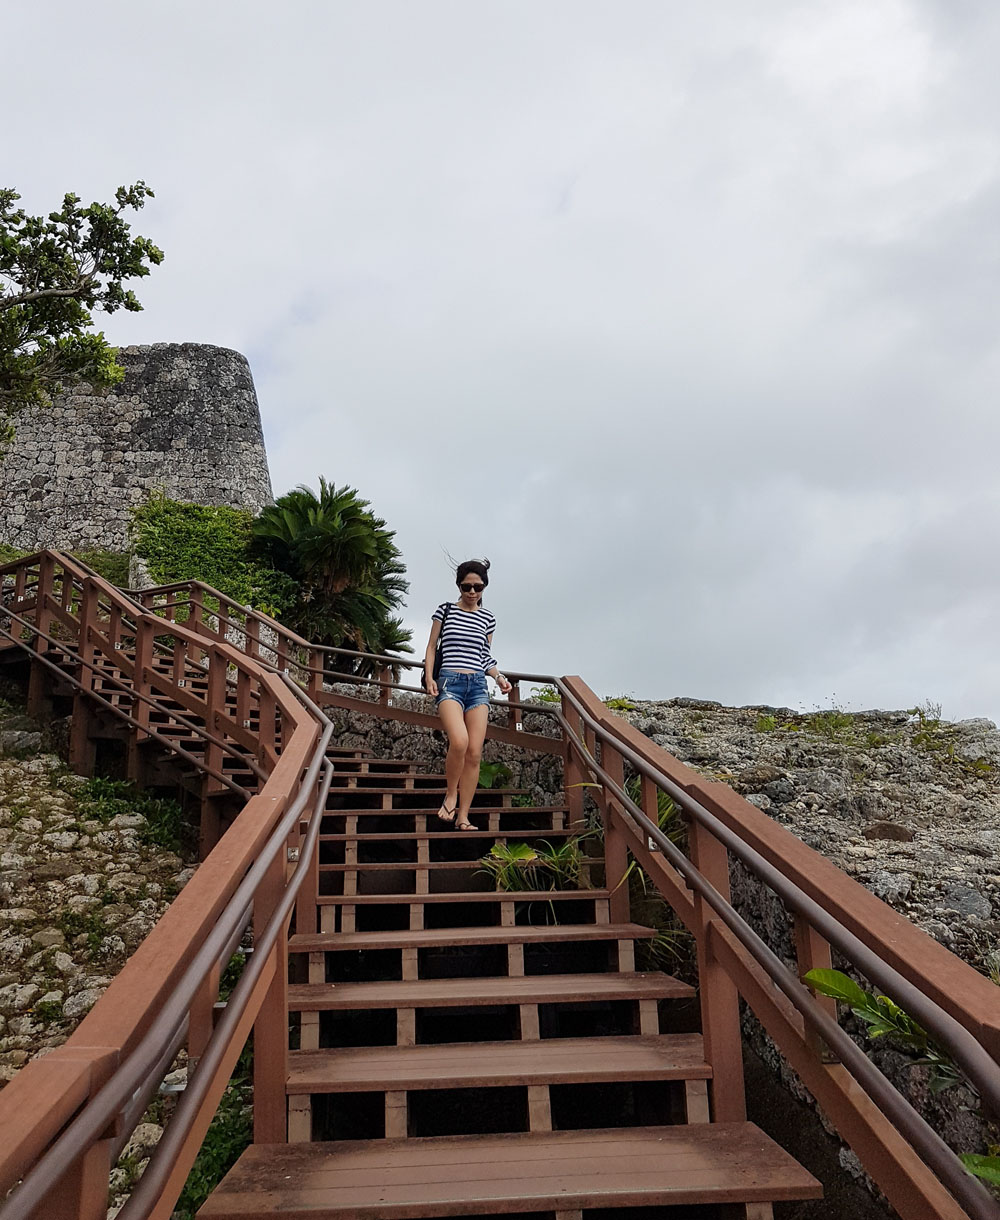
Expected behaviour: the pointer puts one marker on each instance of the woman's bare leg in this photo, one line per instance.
(451, 713)
(475, 724)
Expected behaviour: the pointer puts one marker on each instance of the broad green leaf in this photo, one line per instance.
(836, 984)
(985, 1167)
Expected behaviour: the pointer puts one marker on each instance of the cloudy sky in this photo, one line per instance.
(686, 315)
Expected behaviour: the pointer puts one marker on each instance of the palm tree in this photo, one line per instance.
(349, 571)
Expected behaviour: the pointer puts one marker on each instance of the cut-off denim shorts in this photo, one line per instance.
(467, 689)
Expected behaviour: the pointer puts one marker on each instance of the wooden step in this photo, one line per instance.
(405, 866)
(502, 896)
(471, 1065)
(491, 991)
(564, 1171)
(434, 938)
(418, 836)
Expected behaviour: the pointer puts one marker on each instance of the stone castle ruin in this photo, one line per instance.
(184, 422)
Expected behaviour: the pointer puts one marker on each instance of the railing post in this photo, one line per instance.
(39, 682)
(215, 699)
(82, 1192)
(615, 849)
(270, 1039)
(82, 748)
(720, 1001)
(573, 775)
(812, 952)
(384, 690)
(314, 679)
(514, 713)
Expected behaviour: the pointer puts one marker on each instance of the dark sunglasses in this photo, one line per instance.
(471, 588)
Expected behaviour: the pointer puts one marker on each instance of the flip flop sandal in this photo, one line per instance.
(448, 814)
(464, 826)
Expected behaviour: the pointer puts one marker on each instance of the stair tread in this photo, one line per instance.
(427, 938)
(411, 836)
(388, 866)
(496, 990)
(484, 1064)
(464, 896)
(492, 1174)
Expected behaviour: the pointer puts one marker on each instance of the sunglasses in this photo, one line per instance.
(471, 588)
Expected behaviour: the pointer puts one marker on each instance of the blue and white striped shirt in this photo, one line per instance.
(463, 638)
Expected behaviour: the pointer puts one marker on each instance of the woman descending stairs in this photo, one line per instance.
(460, 1051)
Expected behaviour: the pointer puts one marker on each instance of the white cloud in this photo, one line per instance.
(682, 314)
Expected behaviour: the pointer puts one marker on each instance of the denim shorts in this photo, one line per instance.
(468, 689)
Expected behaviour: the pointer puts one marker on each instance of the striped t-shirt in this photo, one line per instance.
(463, 638)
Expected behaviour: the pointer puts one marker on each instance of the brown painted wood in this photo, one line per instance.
(470, 992)
(396, 1179)
(438, 937)
(507, 897)
(484, 1064)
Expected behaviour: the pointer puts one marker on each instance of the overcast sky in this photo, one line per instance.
(686, 315)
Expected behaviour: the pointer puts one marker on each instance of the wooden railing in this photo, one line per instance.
(66, 1117)
(827, 910)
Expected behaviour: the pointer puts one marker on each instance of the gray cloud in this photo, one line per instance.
(685, 315)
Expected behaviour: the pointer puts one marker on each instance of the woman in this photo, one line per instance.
(466, 633)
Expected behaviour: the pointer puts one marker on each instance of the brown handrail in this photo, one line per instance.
(979, 1066)
(144, 1020)
(166, 742)
(775, 857)
(134, 1074)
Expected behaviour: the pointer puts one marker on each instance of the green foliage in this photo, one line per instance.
(347, 571)
(545, 694)
(229, 1134)
(766, 724)
(494, 775)
(84, 923)
(619, 703)
(9, 554)
(48, 1011)
(210, 543)
(835, 724)
(112, 565)
(668, 815)
(53, 271)
(101, 800)
(985, 1167)
(937, 736)
(884, 1016)
(522, 800)
(544, 866)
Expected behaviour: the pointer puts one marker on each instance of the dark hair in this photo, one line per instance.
(480, 567)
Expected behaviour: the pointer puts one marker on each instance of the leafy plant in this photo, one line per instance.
(766, 724)
(210, 543)
(835, 724)
(544, 866)
(522, 800)
(230, 1133)
(884, 1016)
(545, 694)
(104, 799)
(347, 571)
(619, 703)
(985, 1167)
(494, 775)
(54, 270)
(668, 815)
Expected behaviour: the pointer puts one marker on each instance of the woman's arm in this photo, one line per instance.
(432, 688)
(494, 670)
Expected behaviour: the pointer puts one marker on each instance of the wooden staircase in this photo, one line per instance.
(459, 1051)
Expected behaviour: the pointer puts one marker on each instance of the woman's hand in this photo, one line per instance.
(505, 686)
(432, 686)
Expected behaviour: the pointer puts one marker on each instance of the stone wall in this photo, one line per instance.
(185, 421)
